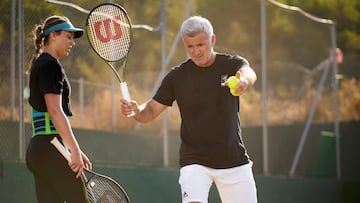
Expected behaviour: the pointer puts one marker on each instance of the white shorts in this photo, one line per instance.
(234, 184)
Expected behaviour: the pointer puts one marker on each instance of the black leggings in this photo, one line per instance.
(54, 180)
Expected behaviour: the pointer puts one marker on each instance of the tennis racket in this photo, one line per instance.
(108, 28)
(99, 188)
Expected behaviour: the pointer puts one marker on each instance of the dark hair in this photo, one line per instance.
(38, 33)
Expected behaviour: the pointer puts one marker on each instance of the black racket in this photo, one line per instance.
(100, 188)
(108, 28)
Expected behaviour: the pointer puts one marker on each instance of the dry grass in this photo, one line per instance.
(98, 113)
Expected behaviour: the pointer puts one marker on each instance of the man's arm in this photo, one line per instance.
(249, 74)
(145, 112)
(247, 78)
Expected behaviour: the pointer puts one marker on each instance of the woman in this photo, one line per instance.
(56, 180)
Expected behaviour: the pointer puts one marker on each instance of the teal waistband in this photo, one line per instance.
(41, 123)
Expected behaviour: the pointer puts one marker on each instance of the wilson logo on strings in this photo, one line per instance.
(108, 30)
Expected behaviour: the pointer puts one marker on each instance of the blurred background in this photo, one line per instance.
(304, 87)
(295, 44)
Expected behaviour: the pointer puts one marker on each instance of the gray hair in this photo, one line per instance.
(194, 25)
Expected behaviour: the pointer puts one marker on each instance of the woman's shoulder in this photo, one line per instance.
(47, 59)
(46, 63)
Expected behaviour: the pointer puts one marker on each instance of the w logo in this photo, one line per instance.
(108, 29)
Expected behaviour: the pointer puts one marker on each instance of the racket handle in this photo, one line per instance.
(61, 148)
(125, 93)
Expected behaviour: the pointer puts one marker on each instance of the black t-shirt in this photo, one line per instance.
(48, 76)
(210, 120)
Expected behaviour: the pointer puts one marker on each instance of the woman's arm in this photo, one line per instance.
(62, 125)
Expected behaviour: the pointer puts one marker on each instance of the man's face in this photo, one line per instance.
(200, 48)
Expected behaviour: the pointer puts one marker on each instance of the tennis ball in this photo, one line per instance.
(232, 82)
(232, 91)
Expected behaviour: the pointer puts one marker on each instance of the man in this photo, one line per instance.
(211, 146)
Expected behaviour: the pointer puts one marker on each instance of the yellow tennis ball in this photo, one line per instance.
(232, 82)
(232, 91)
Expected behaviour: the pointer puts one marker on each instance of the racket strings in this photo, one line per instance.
(109, 32)
(103, 190)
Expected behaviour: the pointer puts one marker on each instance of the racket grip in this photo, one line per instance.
(126, 95)
(61, 148)
(125, 91)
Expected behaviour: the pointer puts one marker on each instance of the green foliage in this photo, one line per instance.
(346, 13)
(295, 45)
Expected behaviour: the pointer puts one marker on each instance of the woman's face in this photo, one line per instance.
(200, 48)
(64, 42)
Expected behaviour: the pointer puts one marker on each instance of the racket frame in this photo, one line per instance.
(123, 85)
(67, 155)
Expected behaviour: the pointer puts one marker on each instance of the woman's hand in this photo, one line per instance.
(77, 164)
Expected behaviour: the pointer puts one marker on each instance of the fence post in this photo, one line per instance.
(81, 100)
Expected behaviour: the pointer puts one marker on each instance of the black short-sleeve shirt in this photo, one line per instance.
(48, 76)
(210, 122)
